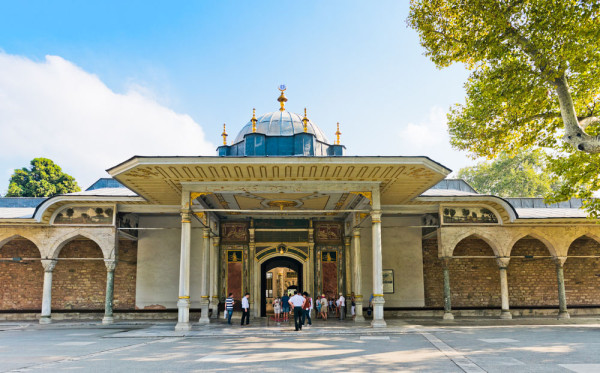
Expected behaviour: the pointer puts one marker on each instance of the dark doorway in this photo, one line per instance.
(280, 261)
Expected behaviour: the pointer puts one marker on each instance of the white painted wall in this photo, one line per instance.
(403, 253)
(158, 262)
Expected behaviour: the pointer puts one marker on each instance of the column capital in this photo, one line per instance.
(502, 262)
(48, 264)
(356, 232)
(560, 260)
(216, 240)
(445, 262)
(205, 232)
(376, 216)
(185, 216)
(347, 240)
(110, 264)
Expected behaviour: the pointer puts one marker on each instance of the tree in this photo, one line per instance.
(43, 179)
(520, 176)
(534, 82)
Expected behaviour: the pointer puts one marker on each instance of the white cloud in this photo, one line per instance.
(55, 109)
(430, 137)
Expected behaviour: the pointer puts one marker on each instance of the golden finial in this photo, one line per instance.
(337, 134)
(224, 134)
(305, 121)
(253, 120)
(282, 99)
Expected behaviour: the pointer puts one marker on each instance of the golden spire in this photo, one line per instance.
(224, 134)
(253, 120)
(305, 121)
(282, 99)
(337, 134)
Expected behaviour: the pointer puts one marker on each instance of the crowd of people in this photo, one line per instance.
(300, 305)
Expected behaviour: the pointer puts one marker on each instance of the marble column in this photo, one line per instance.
(447, 293)
(46, 316)
(356, 274)
(110, 286)
(502, 264)
(563, 313)
(378, 300)
(204, 289)
(183, 304)
(348, 269)
(214, 277)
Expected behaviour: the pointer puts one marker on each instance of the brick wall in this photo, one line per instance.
(582, 275)
(532, 282)
(473, 282)
(76, 285)
(20, 282)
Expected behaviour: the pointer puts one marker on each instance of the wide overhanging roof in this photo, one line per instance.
(161, 180)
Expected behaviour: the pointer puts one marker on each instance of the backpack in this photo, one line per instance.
(306, 305)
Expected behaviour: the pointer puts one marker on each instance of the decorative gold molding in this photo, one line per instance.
(367, 195)
(195, 195)
(184, 297)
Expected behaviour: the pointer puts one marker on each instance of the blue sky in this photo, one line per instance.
(157, 70)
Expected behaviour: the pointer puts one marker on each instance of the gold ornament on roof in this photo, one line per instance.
(337, 134)
(253, 120)
(224, 134)
(305, 121)
(282, 99)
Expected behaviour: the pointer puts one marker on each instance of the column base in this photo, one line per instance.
(359, 318)
(183, 326)
(46, 320)
(204, 308)
(378, 324)
(107, 320)
(448, 316)
(564, 315)
(505, 315)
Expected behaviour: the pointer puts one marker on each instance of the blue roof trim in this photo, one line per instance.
(16, 202)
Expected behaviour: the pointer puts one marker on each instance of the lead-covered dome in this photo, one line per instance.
(281, 123)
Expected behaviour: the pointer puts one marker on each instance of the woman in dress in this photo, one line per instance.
(277, 308)
(323, 307)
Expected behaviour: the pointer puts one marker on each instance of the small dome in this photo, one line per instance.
(281, 123)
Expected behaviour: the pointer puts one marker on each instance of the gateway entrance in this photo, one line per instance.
(279, 275)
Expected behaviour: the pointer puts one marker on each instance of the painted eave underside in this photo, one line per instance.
(159, 179)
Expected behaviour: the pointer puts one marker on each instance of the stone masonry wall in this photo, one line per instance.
(582, 275)
(20, 282)
(531, 281)
(76, 285)
(473, 282)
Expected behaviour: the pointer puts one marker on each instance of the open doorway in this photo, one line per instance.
(279, 275)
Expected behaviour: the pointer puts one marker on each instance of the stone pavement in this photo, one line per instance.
(430, 345)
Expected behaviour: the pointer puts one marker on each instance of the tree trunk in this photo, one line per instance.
(574, 134)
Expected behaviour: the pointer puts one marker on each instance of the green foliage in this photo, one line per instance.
(522, 175)
(528, 59)
(43, 179)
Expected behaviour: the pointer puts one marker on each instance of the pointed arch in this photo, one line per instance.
(475, 235)
(63, 240)
(589, 235)
(549, 246)
(6, 239)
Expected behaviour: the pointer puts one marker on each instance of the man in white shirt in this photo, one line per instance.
(246, 309)
(342, 304)
(296, 302)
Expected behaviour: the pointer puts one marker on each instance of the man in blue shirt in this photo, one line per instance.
(229, 307)
(285, 307)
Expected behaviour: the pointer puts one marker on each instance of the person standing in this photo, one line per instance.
(307, 309)
(342, 306)
(323, 307)
(296, 302)
(229, 307)
(285, 307)
(277, 309)
(246, 309)
(318, 313)
(353, 305)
